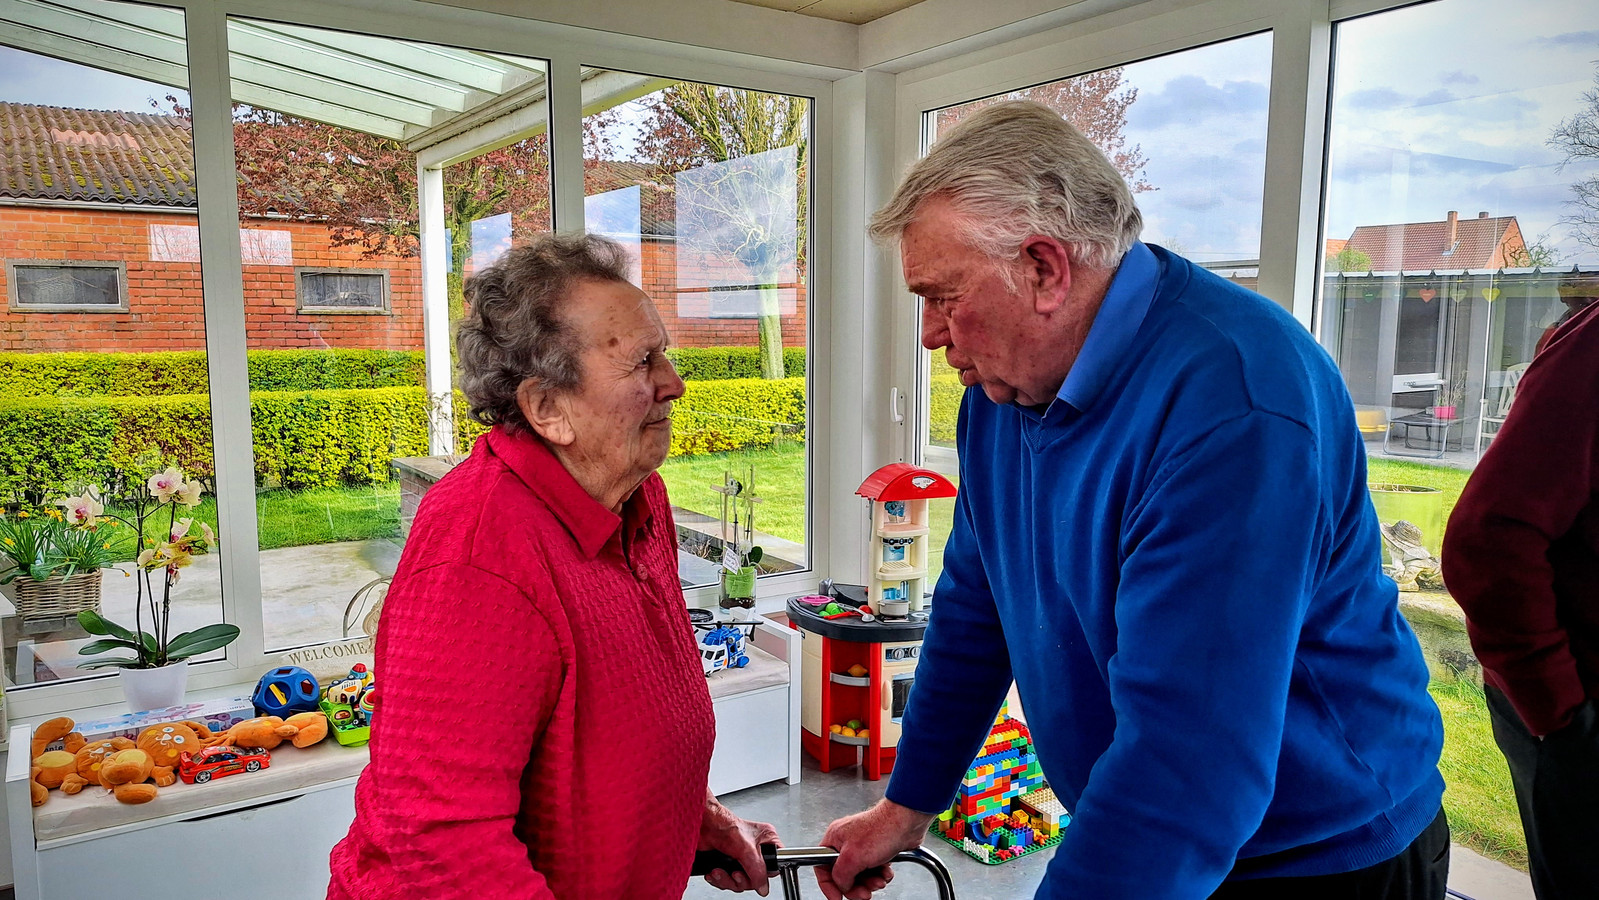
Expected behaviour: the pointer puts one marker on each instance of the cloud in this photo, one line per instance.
(1572, 39)
(1442, 95)
(1459, 76)
(1190, 99)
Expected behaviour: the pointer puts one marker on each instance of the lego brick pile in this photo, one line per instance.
(1003, 809)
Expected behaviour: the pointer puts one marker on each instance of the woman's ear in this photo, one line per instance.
(545, 413)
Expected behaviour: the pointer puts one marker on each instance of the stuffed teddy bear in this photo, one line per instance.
(127, 773)
(266, 732)
(90, 760)
(51, 768)
(166, 743)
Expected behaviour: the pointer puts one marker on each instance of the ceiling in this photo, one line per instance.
(855, 12)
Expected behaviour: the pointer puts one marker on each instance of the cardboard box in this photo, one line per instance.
(217, 715)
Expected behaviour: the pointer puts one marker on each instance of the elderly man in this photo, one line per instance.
(1163, 535)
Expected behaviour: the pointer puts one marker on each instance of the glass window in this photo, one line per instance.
(343, 290)
(64, 284)
(1459, 230)
(99, 157)
(348, 433)
(709, 189)
(1460, 217)
(1199, 198)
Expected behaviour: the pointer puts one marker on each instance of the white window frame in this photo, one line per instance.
(566, 49)
(309, 309)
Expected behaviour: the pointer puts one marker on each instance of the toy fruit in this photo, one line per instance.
(854, 724)
(863, 732)
(835, 728)
(857, 671)
(847, 731)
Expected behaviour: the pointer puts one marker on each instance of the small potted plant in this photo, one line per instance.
(155, 676)
(52, 559)
(1456, 396)
(740, 554)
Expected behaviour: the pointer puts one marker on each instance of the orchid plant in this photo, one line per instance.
(185, 538)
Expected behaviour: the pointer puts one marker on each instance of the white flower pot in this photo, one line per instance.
(146, 689)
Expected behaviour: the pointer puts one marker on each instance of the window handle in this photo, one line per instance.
(895, 413)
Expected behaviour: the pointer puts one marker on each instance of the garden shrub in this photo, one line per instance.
(717, 363)
(184, 372)
(944, 403)
(735, 413)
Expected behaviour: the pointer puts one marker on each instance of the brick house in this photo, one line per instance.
(100, 243)
(1486, 242)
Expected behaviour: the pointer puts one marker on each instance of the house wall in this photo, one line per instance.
(165, 300)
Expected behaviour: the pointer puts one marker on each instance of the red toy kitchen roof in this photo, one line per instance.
(903, 481)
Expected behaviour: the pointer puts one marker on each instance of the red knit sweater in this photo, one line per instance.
(1521, 554)
(544, 729)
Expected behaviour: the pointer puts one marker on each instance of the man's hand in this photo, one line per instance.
(742, 840)
(865, 842)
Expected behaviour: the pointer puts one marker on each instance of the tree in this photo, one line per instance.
(721, 134)
(1534, 255)
(1095, 104)
(1578, 138)
(1348, 259)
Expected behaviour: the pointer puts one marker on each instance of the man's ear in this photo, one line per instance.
(1048, 270)
(544, 412)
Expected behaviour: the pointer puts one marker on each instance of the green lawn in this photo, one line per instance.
(293, 518)
(1480, 802)
(779, 483)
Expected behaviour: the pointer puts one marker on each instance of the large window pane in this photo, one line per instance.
(1188, 132)
(1461, 219)
(328, 128)
(709, 188)
(102, 339)
(1459, 230)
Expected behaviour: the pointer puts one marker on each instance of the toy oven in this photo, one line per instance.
(899, 674)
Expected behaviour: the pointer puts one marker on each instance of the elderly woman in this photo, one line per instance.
(545, 730)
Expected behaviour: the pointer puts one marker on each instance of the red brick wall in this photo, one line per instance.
(166, 312)
(165, 303)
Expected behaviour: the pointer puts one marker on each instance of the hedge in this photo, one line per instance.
(944, 404)
(184, 372)
(322, 438)
(718, 363)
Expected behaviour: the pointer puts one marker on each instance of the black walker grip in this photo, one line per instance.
(708, 861)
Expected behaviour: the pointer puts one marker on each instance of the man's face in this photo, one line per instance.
(968, 309)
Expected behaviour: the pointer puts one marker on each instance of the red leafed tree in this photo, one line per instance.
(1096, 104)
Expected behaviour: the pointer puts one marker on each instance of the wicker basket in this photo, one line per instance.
(57, 595)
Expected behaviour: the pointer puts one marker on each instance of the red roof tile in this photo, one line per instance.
(106, 156)
(1479, 243)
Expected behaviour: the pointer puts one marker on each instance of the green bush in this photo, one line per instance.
(184, 372)
(944, 404)
(735, 413)
(718, 363)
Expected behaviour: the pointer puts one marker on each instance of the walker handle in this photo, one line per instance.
(787, 861)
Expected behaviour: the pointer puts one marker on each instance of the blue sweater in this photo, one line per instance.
(1179, 565)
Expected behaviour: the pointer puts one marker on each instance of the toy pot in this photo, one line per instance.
(146, 689)
(1443, 412)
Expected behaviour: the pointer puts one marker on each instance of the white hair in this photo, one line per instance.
(1016, 169)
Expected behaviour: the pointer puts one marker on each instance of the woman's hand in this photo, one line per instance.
(740, 839)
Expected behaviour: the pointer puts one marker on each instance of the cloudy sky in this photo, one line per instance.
(1445, 105)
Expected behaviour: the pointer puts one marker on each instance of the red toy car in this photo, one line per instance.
(215, 762)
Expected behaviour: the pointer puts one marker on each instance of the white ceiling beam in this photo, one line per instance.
(109, 59)
(463, 67)
(300, 106)
(93, 29)
(310, 84)
(339, 65)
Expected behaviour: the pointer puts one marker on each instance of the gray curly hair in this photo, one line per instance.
(1015, 169)
(515, 327)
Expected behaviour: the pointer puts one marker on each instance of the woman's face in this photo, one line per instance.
(619, 415)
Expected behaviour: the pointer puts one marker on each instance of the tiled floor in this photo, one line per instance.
(802, 812)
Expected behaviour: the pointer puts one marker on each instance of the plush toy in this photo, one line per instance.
(266, 732)
(127, 773)
(90, 761)
(166, 743)
(51, 767)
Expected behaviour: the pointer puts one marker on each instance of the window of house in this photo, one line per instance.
(709, 189)
(342, 290)
(94, 159)
(1460, 219)
(1199, 198)
(352, 414)
(64, 285)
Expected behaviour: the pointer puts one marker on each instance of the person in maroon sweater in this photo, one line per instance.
(1521, 556)
(545, 729)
